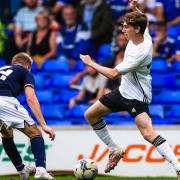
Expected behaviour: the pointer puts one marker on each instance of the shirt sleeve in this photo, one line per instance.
(103, 81)
(83, 85)
(28, 79)
(130, 63)
(18, 18)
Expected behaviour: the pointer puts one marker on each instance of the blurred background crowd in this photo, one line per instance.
(55, 32)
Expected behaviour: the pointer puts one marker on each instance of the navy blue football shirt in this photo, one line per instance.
(13, 80)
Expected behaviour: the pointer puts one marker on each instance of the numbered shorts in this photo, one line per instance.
(116, 102)
(13, 114)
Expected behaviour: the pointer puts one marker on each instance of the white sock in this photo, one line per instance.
(41, 169)
(166, 151)
(102, 132)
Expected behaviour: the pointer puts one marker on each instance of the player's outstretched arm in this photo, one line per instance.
(36, 109)
(108, 72)
(133, 6)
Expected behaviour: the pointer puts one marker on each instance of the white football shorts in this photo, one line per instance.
(13, 114)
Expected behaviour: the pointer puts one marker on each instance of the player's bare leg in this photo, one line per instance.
(144, 124)
(38, 149)
(94, 115)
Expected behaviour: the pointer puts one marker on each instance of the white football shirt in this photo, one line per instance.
(135, 70)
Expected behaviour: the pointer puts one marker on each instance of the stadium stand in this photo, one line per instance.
(53, 81)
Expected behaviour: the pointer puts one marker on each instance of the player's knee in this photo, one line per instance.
(89, 116)
(33, 131)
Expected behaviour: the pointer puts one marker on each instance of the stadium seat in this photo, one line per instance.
(156, 111)
(58, 122)
(34, 67)
(159, 65)
(22, 98)
(61, 80)
(45, 96)
(104, 52)
(174, 114)
(39, 81)
(53, 111)
(176, 66)
(77, 111)
(65, 95)
(173, 31)
(56, 66)
(2, 62)
(79, 66)
(160, 80)
(168, 97)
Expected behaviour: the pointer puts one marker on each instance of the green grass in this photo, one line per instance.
(98, 178)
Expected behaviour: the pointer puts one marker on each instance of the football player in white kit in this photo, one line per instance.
(13, 80)
(134, 93)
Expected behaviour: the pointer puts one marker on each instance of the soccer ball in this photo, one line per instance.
(86, 169)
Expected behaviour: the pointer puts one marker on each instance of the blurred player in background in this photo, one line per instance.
(13, 80)
(134, 93)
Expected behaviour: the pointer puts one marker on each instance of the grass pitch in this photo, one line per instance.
(98, 178)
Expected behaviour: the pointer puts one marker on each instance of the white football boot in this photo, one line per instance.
(26, 172)
(41, 173)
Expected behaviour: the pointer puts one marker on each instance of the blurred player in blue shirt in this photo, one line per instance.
(164, 46)
(168, 11)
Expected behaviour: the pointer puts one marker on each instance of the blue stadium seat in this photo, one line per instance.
(104, 52)
(59, 122)
(2, 62)
(53, 111)
(160, 80)
(34, 67)
(173, 31)
(39, 81)
(156, 111)
(77, 111)
(176, 66)
(61, 80)
(56, 66)
(79, 66)
(22, 98)
(65, 95)
(45, 96)
(168, 97)
(159, 65)
(174, 112)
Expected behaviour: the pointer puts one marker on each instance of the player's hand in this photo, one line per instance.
(133, 4)
(72, 103)
(50, 131)
(86, 59)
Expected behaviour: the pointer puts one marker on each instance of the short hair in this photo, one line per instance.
(45, 15)
(23, 59)
(136, 19)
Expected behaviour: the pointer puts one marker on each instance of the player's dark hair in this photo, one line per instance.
(22, 58)
(136, 19)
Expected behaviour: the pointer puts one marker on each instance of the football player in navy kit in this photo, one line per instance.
(13, 80)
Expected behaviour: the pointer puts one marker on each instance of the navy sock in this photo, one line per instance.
(12, 152)
(38, 149)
